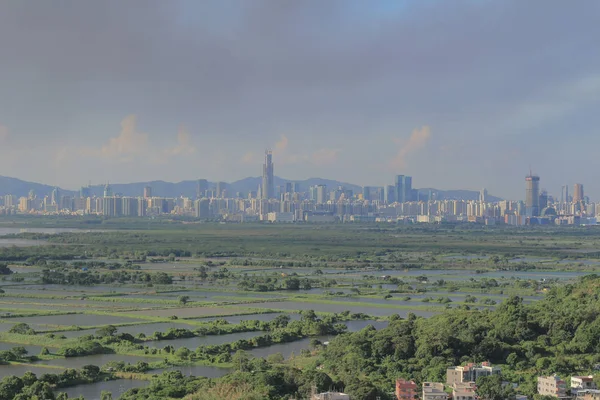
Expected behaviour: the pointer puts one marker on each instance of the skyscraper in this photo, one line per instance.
(321, 194)
(483, 195)
(147, 192)
(532, 195)
(268, 188)
(55, 197)
(220, 189)
(201, 188)
(107, 191)
(577, 193)
(404, 190)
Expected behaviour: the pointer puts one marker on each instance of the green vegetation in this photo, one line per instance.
(508, 295)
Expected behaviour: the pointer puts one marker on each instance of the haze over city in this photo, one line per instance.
(459, 95)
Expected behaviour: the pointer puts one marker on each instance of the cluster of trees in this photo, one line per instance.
(4, 270)
(84, 347)
(270, 283)
(18, 353)
(560, 334)
(253, 379)
(76, 277)
(29, 386)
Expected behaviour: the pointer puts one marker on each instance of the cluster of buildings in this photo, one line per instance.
(318, 203)
(461, 385)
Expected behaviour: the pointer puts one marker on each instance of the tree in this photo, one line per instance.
(240, 360)
(19, 351)
(90, 371)
(22, 329)
(4, 270)
(276, 358)
(108, 330)
(184, 299)
(491, 388)
(292, 284)
(10, 386)
(183, 353)
(105, 395)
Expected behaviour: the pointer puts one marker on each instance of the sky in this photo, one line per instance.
(460, 94)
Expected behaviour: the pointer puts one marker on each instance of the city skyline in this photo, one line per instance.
(461, 95)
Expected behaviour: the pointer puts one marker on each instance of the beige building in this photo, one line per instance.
(434, 391)
(552, 386)
(470, 372)
(331, 396)
(464, 391)
(590, 394)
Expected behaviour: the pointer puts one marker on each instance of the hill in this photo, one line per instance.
(20, 188)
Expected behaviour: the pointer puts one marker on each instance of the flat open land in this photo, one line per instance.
(224, 284)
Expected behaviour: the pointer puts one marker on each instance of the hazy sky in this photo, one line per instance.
(458, 94)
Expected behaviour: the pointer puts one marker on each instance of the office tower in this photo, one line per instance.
(321, 194)
(148, 192)
(404, 191)
(295, 187)
(483, 195)
(288, 187)
(408, 190)
(577, 193)
(390, 194)
(366, 193)
(543, 200)
(55, 197)
(31, 195)
(107, 191)
(399, 185)
(85, 191)
(201, 188)
(202, 208)
(532, 195)
(268, 189)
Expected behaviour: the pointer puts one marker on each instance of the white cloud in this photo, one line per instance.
(417, 140)
(184, 144)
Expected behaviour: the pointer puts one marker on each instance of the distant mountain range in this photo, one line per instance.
(20, 188)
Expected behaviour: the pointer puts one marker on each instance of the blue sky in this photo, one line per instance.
(462, 94)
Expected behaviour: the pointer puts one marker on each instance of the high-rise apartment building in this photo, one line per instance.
(220, 190)
(577, 193)
(483, 195)
(321, 194)
(532, 195)
(148, 192)
(268, 188)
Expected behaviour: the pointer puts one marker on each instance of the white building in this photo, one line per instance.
(434, 391)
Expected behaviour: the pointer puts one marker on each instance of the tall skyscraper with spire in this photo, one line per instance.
(268, 184)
